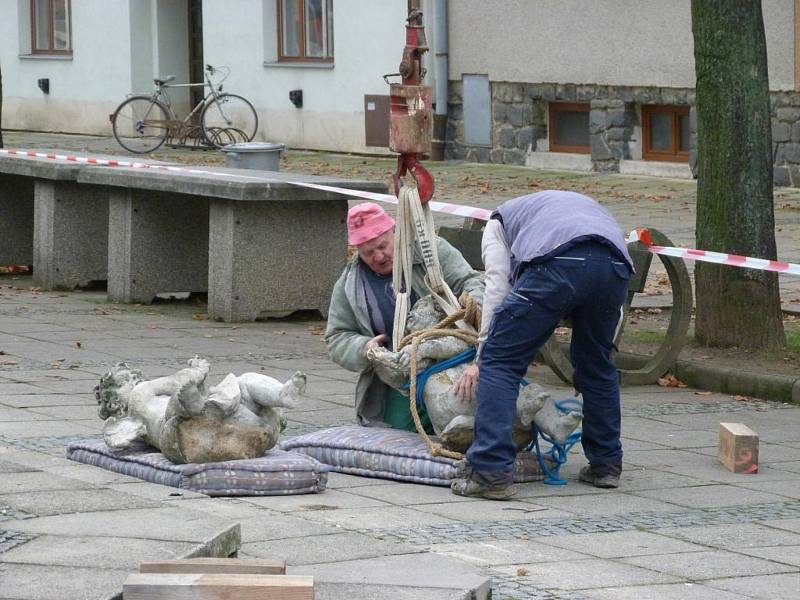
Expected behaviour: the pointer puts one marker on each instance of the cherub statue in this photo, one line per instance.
(238, 418)
(453, 419)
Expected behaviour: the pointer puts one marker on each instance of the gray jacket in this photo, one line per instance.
(349, 327)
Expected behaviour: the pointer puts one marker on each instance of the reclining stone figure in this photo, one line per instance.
(453, 419)
(238, 418)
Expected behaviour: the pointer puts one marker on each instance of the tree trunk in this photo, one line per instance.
(1, 108)
(735, 306)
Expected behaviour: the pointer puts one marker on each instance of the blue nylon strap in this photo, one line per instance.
(557, 453)
(422, 378)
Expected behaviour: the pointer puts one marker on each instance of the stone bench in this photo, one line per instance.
(257, 244)
(51, 222)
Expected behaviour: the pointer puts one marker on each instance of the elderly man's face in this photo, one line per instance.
(378, 254)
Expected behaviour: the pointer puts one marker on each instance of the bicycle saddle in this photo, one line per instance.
(163, 80)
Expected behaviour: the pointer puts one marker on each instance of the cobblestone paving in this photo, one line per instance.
(529, 529)
(49, 444)
(11, 514)
(683, 408)
(506, 587)
(9, 539)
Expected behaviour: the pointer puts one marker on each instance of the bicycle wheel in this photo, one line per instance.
(231, 113)
(141, 124)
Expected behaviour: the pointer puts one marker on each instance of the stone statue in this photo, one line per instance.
(452, 419)
(240, 417)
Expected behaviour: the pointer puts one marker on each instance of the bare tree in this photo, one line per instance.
(735, 213)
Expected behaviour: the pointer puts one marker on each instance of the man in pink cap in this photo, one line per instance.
(362, 308)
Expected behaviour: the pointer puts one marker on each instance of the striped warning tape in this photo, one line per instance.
(443, 207)
(721, 258)
(641, 234)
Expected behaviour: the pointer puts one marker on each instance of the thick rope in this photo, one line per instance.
(470, 313)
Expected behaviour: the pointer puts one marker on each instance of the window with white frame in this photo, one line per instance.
(305, 30)
(51, 31)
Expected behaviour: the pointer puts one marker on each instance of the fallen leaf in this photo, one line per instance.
(703, 393)
(77, 344)
(671, 381)
(279, 332)
(199, 316)
(741, 398)
(522, 572)
(315, 329)
(8, 362)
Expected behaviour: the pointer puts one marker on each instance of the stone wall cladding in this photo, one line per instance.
(785, 109)
(519, 112)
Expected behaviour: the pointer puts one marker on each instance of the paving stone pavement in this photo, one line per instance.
(679, 526)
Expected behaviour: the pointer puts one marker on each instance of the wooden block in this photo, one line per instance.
(216, 586)
(738, 448)
(216, 565)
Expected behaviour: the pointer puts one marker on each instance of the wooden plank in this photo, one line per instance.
(216, 586)
(216, 565)
(738, 448)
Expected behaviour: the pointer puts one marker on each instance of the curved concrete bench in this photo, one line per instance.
(51, 222)
(256, 243)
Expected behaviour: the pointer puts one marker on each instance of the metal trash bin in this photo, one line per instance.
(263, 156)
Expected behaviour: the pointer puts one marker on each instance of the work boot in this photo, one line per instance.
(477, 486)
(601, 476)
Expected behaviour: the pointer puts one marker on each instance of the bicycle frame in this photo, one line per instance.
(160, 94)
(217, 119)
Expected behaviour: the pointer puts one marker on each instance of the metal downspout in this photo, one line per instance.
(440, 64)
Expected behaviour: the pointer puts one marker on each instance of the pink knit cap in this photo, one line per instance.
(365, 222)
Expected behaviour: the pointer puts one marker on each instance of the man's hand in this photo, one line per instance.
(467, 384)
(378, 340)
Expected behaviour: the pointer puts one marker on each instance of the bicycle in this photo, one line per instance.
(142, 123)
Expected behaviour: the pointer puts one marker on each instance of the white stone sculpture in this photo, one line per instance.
(240, 417)
(453, 419)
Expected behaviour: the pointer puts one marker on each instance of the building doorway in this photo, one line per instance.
(196, 65)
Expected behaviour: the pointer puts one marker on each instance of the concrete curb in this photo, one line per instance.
(728, 380)
(223, 544)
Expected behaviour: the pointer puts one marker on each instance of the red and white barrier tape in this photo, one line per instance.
(443, 207)
(641, 234)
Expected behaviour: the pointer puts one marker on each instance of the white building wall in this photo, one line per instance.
(619, 42)
(118, 47)
(84, 88)
(368, 41)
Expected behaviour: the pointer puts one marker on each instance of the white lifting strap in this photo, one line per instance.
(415, 222)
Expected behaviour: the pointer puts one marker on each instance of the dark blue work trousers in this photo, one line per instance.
(587, 283)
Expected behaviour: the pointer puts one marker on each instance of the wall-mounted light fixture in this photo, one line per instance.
(296, 96)
(44, 85)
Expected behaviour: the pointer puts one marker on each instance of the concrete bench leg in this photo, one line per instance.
(273, 258)
(70, 234)
(157, 243)
(16, 220)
